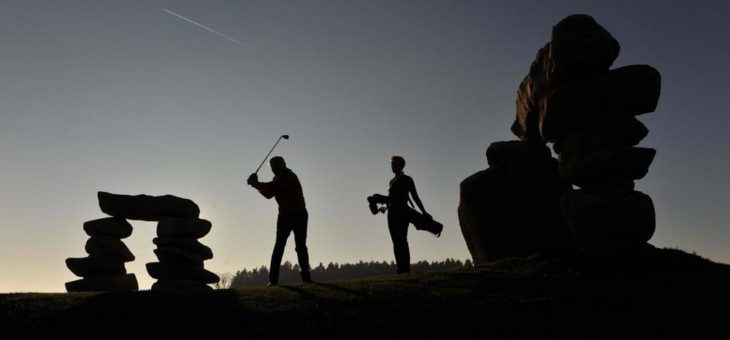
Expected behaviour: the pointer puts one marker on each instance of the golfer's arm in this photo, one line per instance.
(417, 199)
(267, 189)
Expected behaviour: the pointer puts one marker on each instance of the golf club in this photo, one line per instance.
(272, 149)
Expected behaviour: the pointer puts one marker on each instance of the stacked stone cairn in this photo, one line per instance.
(573, 99)
(180, 253)
(103, 269)
(590, 116)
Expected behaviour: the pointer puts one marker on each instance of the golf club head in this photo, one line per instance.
(285, 136)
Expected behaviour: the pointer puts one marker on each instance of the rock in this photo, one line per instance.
(588, 111)
(179, 256)
(187, 244)
(109, 246)
(629, 90)
(126, 282)
(607, 131)
(147, 208)
(187, 285)
(580, 47)
(177, 272)
(610, 164)
(513, 209)
(110, 226)
(97, 265)
(532, 89)
(609, 221)
(183, 227)
(501, 152)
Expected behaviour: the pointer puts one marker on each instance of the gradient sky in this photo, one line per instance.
(123, 97)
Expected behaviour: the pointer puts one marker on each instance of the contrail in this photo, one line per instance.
(209, 29)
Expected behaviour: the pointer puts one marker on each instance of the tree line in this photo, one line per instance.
(289, 274)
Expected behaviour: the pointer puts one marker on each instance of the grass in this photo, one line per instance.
(666, 295)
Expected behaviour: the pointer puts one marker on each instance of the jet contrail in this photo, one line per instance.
(209, 29)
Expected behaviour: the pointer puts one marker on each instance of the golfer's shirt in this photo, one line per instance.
(287, 190)
(400, 187)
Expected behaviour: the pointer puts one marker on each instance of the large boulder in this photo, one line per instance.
(605, 221)
(513, 208)
(580, 47)
(147, 208)
(610, 130)
(531, 90)
(616, 163)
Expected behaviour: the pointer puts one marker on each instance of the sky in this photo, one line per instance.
(124, 97)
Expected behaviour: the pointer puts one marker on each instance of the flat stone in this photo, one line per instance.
(629, 90)
(609, 221)
(108, 246)
(110, 226)
(123, 283)
(179, 256)
(609, 130)
(609, 164)
(183, 227)
(166, 271)
(96, 265)
(501, 152)
(185, 285)
(187, 244)
(147, 208)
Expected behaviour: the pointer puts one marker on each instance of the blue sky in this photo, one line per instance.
(123, 97)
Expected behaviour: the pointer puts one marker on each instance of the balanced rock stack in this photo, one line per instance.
(572, 99)
(512, 208)
(181, 255)
(103, 269)
(178, 229)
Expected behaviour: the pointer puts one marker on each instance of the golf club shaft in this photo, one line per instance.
(267, 155)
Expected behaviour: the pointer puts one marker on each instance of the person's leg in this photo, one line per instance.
(300, 240)
(398, 227)
(283, 228)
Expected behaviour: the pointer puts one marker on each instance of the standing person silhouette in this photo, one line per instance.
(293, 216)
(399, 214)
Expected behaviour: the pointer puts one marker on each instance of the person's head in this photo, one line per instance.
(397, 163)
(277, 164)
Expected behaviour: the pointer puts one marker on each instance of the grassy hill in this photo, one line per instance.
(662, 294)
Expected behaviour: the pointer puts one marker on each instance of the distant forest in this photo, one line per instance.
(289, 274)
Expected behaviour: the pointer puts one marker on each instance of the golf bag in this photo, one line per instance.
(420, 221)
(424, 222)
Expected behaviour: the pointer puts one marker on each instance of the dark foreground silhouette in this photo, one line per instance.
(665, 294)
